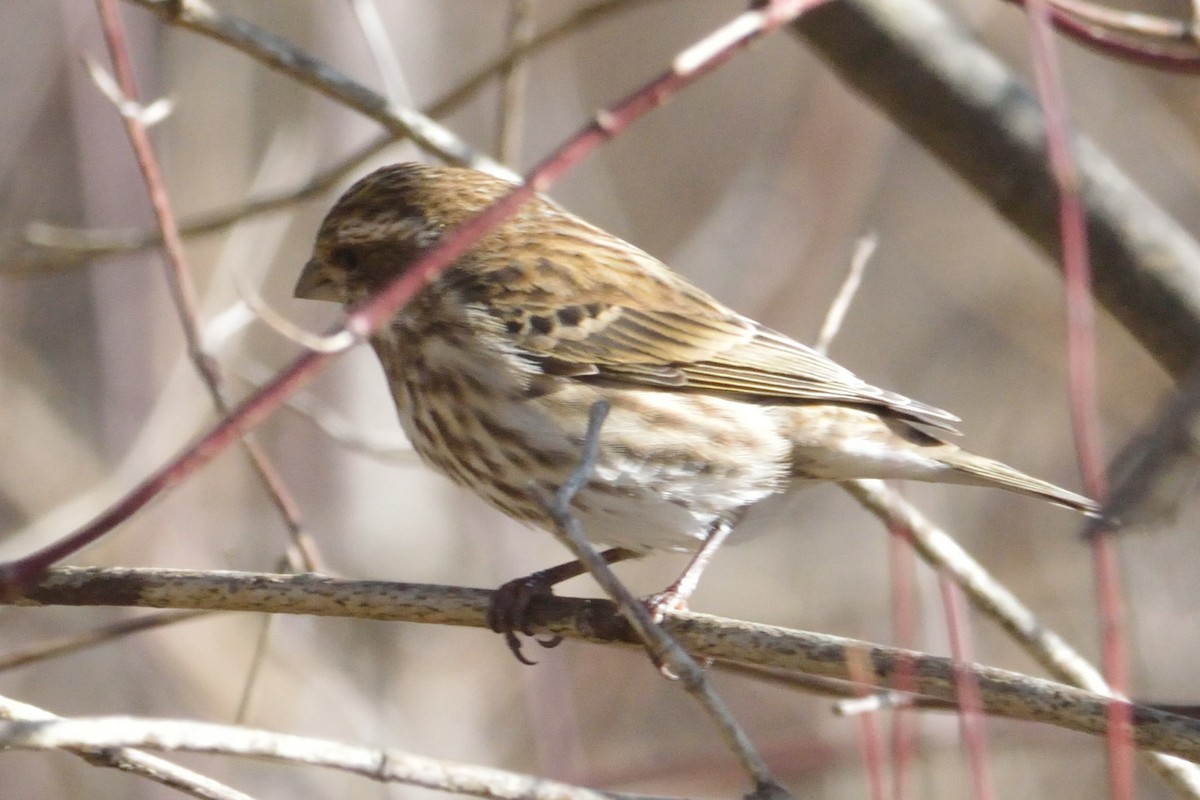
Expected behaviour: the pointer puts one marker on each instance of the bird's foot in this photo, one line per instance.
(667, 601)
(508, 612)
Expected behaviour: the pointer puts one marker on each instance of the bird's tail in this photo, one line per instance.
(988, 472)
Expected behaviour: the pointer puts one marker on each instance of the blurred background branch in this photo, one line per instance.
(971, 111)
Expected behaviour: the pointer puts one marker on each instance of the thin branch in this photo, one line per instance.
(863, 250)
(179, 279)
(869, 740)
(989, 596)
(514, 80)
(125, 759)
(66, 645)
(969, 109)
(1003, 693)
(1156, 42)
(336, 343)
(262, 643)
(75, 246)
(583, 17)
(386, 765)
(1081, 372)
(281, 55)
(1081, 335)
(972, 729)
(1148, 25)
(902, 569)
(382, 51)
(347, 433)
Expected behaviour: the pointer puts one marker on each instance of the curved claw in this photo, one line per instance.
(508, 613)
(514, 647)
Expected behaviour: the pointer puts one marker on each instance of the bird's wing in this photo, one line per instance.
(674, 335)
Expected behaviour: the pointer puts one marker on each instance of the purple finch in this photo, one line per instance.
(496, 363)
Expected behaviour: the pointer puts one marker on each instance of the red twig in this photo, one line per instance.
(870, 742)
(690, 65)
(966, 689)
(1170, 53)
(1082, 381)
(179, 280)
(904, 635)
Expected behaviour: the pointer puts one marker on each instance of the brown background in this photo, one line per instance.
(755, 183)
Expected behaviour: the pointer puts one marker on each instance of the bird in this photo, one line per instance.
(495, 364)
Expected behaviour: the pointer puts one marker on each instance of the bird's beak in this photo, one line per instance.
(315, 284)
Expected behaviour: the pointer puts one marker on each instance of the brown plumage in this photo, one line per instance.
(495, 364)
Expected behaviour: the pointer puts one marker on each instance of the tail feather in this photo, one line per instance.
(988, 472)
(838, 442)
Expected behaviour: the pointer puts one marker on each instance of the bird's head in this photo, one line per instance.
(382, 223)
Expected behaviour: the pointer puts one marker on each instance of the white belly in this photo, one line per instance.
(669, 464)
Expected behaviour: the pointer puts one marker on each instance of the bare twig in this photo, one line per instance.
(376, 763)
(281, 55)
(74, 246)
(97, 636)
(902, 568)
(262, 643)
(1081, 371)
(1156, 42)
(869, 740)
(968, 108)
(125, 759)
(986, 594)
(334, 343)
(966, 690)
(1003, 693)
(1148, 25)
(179, 279)
(863, 251)
(1076, 267)
(513, 81)
(582, 17)
(382, 51)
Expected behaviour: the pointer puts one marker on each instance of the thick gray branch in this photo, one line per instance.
(967, 108)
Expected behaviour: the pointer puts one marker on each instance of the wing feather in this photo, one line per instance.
(641, 324)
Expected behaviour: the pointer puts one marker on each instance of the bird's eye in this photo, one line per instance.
(346, 258)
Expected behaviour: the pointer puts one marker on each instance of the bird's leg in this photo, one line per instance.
(675, 596)
(508, 611)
